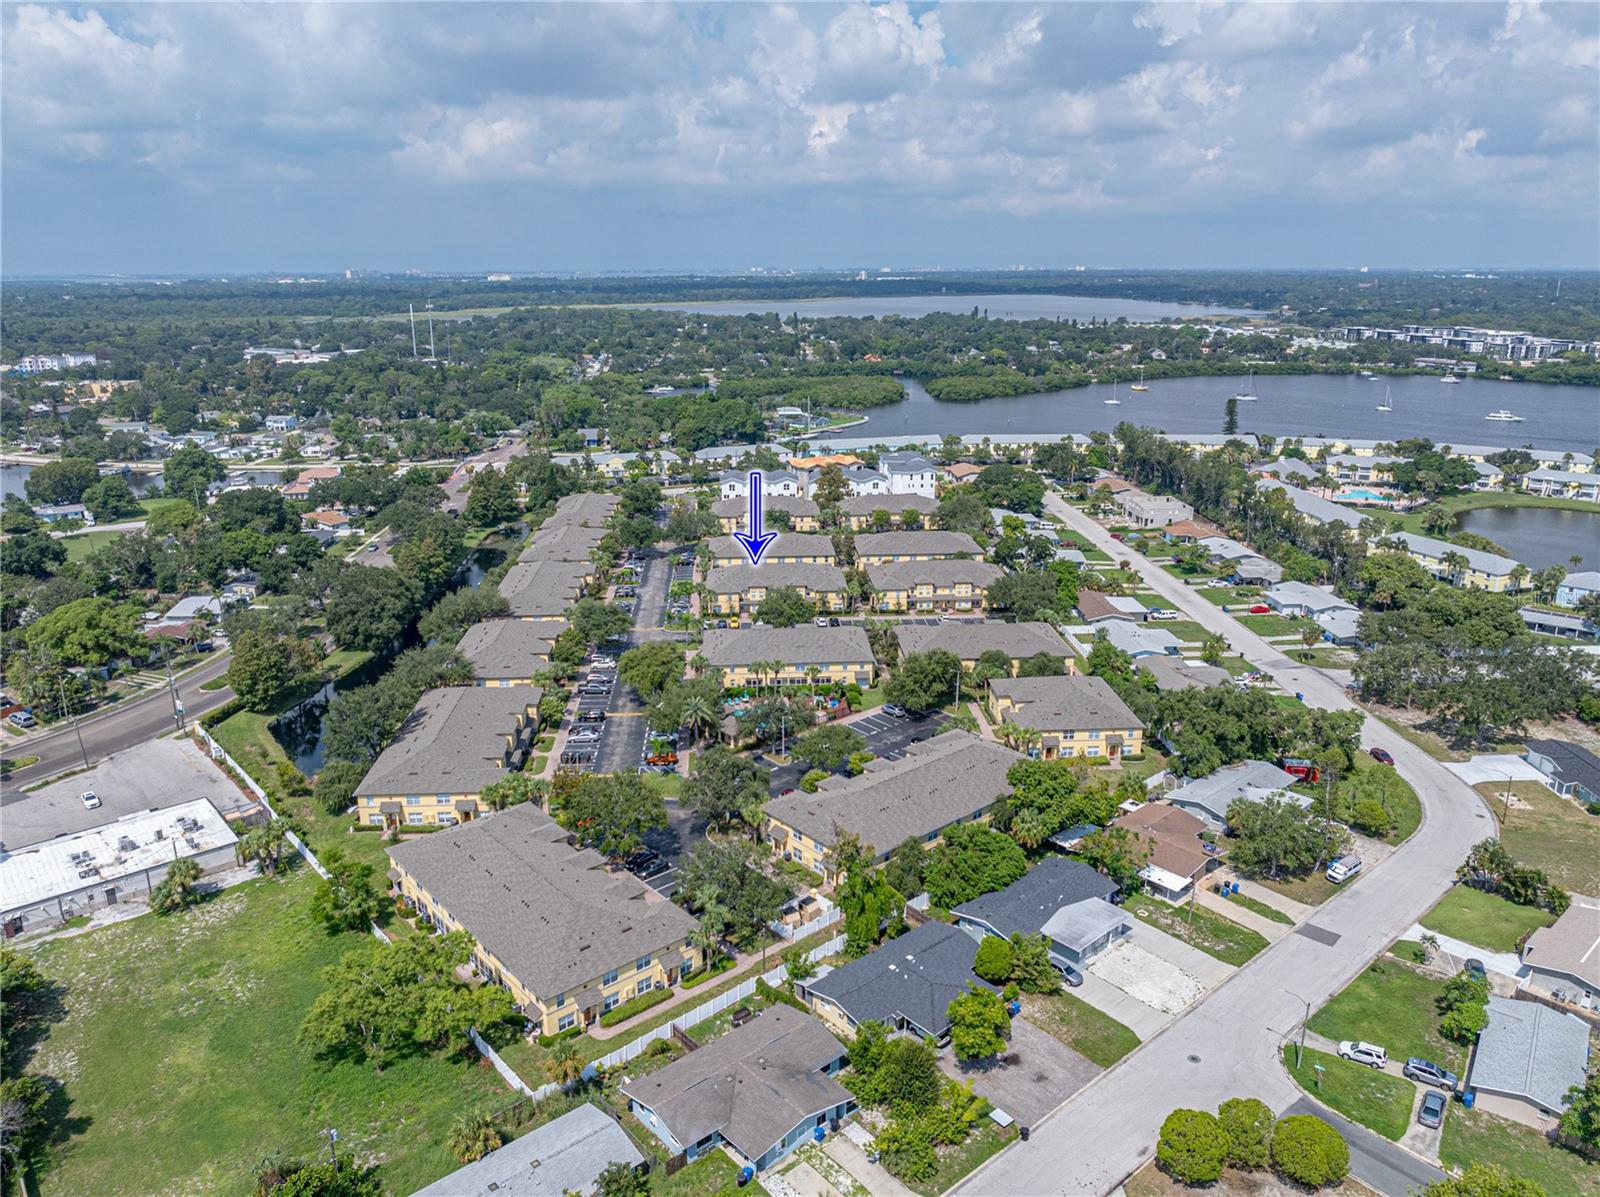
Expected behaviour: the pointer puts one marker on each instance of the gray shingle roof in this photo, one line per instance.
(502, 648)
(452, 742)
(804, 644)
(1486, 563)
(950, 778)
(562, 542)
(886, 544)
(914, 977)
(754, 1084)
(1030, 901)
(730, 579)
(788, 544)
(1215, 792)
(1530, 1051)
(970, 639)
(1175, 673)
(1573, 762)
(1313, 507)
(556, 916)
(893, 504)
(587, 507)
(903, 575)
(543, 589)
(1571, 945)
(740, 507)
(1065, 703)
(567, 1154)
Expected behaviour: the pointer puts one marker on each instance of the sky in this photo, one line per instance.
(194, 138)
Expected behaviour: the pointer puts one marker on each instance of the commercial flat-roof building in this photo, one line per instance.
(969, 639)
(740, 589)
(564, 1156)
(839, 654)
(927, 586)
(1074, 716)
(566, 933)
(1152, 511)
(907, 983)
(455, 742)
(882, 548)
(48, 882)
(509, 652)
(953, 778)
(761, 1090)
(1526, 1060)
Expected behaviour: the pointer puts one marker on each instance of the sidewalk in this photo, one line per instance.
(1505, 963)
(691, 997)
(1265, 927)
(1298, 911)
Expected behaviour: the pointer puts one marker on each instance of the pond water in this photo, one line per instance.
(1539, 536)
(997, 307)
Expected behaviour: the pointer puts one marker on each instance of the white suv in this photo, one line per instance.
(1362, 1052)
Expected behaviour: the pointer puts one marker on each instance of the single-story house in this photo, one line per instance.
(1189, 531)
(1257, 570)
(1559, 623)
(961, 471)
(1568, 768)
(907, 983)
(1526, 1060)
(1564, 958)
(1301, 599)
(1208, 798)
(560, 1157)
(1576, 587)
(1178, 857)
(761, 1090)
(1074, 716)
(839, 654)
(326, 518)
(1175, 673)
(1140, 642)
(56, 513)
(1082, 930)
(1028, 904)
(1341, 627)
(970, 639)
(1096, 608)
(196, 606)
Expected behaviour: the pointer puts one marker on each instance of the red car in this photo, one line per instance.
(1260, 609)
(1382, 756)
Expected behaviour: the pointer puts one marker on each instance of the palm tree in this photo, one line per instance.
(698, 663)
(475, 1135)
(813, 672)
(1519, 575)
(1575, 560)
(707, 934)
(1454, 563)
(564, 1066)
(1008, 733)
(700, 715)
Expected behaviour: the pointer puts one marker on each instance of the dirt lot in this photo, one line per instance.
(1150, 1181)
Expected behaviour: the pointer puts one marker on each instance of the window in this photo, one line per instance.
(413, 799)
(414, 817)
(1094, 735)
(643, 986)
(376, 820)
(611, 1002)
(1093, 750)
(610, 978)
(566, 1022)
(642, 962)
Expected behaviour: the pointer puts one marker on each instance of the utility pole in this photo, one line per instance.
(172, 687)
(1300, 1052)
(333, 1137)
(74, 717)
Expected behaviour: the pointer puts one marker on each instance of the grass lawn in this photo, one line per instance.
(1186, 630)
(1088, 1031)
(1229, 596)
(1200, 928)
(1393, 1006)
(1313, 889)
(1271, 624)
(1261, 908)
(1556, 834)
(1436, 746)
(82, 544)
(1365, 1095)
(871, 697)
(1473, 1137)
(151, 506)
(1379, 783)
(10, 763)
(1484, 919)
(1327, 657)
(178, 1056)
(1408, 949)
(668, 785)
(713, 1175)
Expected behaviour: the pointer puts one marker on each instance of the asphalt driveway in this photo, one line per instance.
(1036, 1075)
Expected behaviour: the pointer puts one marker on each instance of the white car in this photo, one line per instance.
(91, 800)
(1162, 614)
(1361, 1052)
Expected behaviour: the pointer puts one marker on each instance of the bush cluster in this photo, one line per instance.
(1196, 1145)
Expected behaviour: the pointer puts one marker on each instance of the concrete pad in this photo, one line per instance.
(850, 1156)
(1046, 1073)
(1424, 1140)
(1496, 767)
(1505, 963)
(1143, 975)
(1144, 1021)
(1207, 969)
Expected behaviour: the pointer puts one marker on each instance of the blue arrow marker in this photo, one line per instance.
(755, 541)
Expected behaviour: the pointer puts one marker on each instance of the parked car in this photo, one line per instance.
(1431, 1112)
(204, 646)
(1361, 1052)
(833, 621)
(1381, 755)
(821, 621)
(591, 716)
(1071, 976)
(91, 800)
(21, 719)
(654, 869)
(1429, 1073)
(1162, 614)
(1260, 609)
(894, 710)
(1343, 869)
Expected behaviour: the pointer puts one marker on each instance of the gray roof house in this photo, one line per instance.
(1565, 957)
(1313, 507)
(1298, 598)
(1568, 768)
(1209, 797)
(879, 548)
(907, 984)
(1175, 673)
(970, 639)
(895, 505)
(544, 589)
(456, 740)
(562, 542)
(566, 1155)
(508, 650)
(1526, 1060)
(1138, 641)
(1056, 886)
(761, 1090)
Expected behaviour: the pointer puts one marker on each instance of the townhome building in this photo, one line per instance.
(1468, 567)
(734, 513)
(740, 589)
(545, 590)
(1073, 716)
(456, 741)
(953, 778)
(970, 639)
(568, 934)
(932, 586)
(790, 548)
(882, 548)
(863, 512)
(807, 655)
(509, 652)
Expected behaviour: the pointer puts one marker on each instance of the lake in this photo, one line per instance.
(997, 307)
(1538, 536)
(14, 477)
(1340, 405)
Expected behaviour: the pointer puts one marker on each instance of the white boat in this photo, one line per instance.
(1388, 403)
(1451, 378)
(1113, 402)
(1248, 395)
(1366, 374)
(1504, 416)
(1139, 386)
(661, 390)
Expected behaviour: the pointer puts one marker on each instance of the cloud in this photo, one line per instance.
(969, 123)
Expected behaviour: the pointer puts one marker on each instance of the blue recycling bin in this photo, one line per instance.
(819, 1133)
(1469, 1099)
(746, 1175)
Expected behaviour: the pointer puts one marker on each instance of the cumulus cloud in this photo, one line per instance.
(936, 117)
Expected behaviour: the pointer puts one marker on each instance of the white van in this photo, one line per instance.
(1344, 868)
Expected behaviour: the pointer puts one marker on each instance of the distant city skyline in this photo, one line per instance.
(174, 139)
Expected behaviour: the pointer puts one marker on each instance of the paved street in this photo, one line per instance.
(1228, 1044)
(133, 721)
(1373, 1159)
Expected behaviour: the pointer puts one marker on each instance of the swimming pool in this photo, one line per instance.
(1366, 496)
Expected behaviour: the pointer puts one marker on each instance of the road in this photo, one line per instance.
(1373, 1159)
(131, 722)
(1228, 1044)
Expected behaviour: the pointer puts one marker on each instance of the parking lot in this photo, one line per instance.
(887, 738)
(683, 831)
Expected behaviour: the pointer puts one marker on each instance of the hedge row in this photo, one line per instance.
(634, 1006)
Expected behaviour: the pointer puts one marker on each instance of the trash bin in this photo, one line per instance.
(1023, 1132)
(1469, 1099)
(820, 1133)
(746, 1175)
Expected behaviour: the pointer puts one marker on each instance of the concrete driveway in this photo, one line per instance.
(1497, 768)
(1045, 1074)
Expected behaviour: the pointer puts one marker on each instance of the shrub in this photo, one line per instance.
(1248, 1123)
(336, 785)
(1193, 1146)
(994, 959)
(551, 1040)
(1308, 1151)
(291, 782)
(634, 1006)
(907, 1148)
(1372, 818)
(908, 1074)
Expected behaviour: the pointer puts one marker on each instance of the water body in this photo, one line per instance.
(1539, 536)
(996, 307)
(1340, 405)
(14, 477)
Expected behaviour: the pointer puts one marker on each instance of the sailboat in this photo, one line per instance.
(1113, 401)
(1450, 378)
(1388, 403)
(1248, 395)
(1139, 386)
